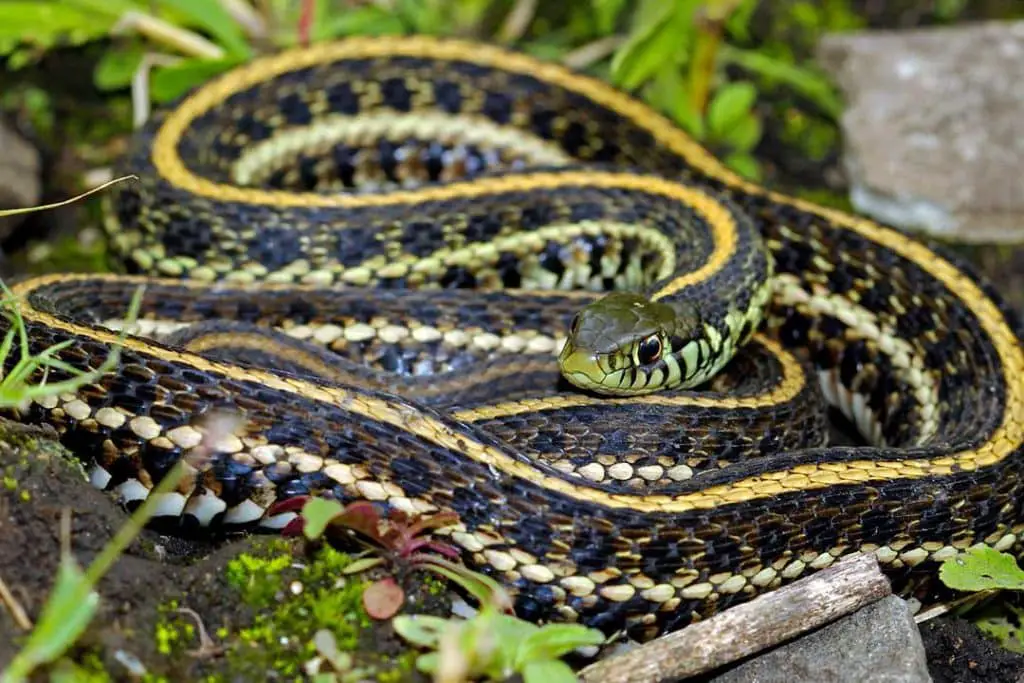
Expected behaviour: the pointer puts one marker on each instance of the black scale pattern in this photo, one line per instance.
(939, 327)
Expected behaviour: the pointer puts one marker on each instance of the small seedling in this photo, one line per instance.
(397, 540)
(494, 646)
(982, 569)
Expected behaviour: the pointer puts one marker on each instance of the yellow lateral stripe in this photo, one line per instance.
(803, 478)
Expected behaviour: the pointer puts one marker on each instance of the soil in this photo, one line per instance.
(249, 601)
(959, 653)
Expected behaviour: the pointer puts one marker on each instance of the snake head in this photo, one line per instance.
(624, 344)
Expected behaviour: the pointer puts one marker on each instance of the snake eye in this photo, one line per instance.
(650, 350)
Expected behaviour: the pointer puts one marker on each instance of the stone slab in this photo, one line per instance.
(880, 643)
(934, 127)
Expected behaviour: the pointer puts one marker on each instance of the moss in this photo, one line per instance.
(292, 599)
(86, 668)
(174, 631)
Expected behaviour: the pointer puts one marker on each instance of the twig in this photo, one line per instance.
(17, 611)
(751, 627)
(246, 16)
(140, 84)
(594, 51)
(517, 21)
(207, 646)
(160, 31)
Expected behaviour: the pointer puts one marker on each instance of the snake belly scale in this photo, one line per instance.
(373, 251)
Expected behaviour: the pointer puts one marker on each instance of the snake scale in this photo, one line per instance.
(374, 251)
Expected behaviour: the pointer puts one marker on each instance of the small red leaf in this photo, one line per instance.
(361, 517)
(382, 599)
(288, 505)
(418, 544)
(435, 521)
(294, 527)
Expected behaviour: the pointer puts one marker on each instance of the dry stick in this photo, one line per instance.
(751, 627)
(17, 611)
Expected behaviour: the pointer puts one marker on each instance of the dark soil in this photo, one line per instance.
(258, 613)
(959, 653)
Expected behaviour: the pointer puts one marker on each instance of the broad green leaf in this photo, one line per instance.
(744, 164)
(548, 671)
(422, 630)
(113, 8)
(427, 663)
(606, 14)
(370, 20)
(982, 568)
(744, 134)
(556, 640)
(45, 24)
(513, 630)
(69, 609)
(213, 18)
(168, 82)
(729, 105)
(1002, 622)
(317, 513)
(116, 68)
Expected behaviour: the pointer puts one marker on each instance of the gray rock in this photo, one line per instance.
(880, 643)
(932, 130)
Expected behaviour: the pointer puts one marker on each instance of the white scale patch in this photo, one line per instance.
(255, 160)
(907, 364)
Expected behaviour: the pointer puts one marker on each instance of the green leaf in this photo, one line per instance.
(653, 43)
(730, 103)
(606, 14)
(668, 93)
(422, 630)
(317, 513)
(486, 590)
(69, 609)
(808, 83)
(169, 82)
(369, 20)
(116, 68)
(745, 134)
(548, 671)
(982, 568)
(555, 640)
(737, 25)
(427, 663)
(362, 565)
(744, 164)
(214, 19)
(46, 24)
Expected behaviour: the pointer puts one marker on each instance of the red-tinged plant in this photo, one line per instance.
(399, 540)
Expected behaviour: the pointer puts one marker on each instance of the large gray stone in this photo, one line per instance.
(880, 643)
(934, 127)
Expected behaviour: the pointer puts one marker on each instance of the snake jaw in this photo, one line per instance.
(582, 368)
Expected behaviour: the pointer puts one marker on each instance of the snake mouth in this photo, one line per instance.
(582, 368)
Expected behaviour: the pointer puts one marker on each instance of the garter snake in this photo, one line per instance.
(373, 251)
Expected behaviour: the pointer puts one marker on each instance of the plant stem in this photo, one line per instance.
(710, 21)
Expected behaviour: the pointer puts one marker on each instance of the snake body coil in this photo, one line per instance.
(417, 326)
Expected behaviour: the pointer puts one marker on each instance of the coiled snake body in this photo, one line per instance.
(423, 223)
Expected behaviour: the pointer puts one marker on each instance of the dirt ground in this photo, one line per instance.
(254, 595)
